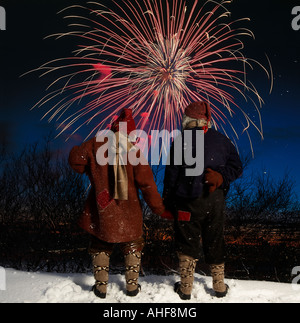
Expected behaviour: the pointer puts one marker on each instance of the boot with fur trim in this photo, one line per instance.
(101, 273)
(133, 265)
(217, 273)
(187, 266)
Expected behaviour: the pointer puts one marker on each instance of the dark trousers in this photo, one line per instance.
(207, 221)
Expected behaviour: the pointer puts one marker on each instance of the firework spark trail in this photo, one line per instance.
(155, 58)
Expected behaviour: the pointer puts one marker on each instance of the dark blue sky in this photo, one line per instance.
(22, 48)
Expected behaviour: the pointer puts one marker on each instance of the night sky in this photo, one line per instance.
(22, 48)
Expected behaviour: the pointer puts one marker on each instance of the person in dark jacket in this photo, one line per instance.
(198, 202)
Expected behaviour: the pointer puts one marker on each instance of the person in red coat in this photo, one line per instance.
(113, 213)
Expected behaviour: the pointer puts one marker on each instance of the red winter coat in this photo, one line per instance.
(110, 220)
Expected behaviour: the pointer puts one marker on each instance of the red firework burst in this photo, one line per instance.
(155, 58)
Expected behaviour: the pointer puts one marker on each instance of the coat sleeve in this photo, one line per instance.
(78, 158)
(233, 169)
(145, 182)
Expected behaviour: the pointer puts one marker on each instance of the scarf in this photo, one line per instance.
(121, 146)
(189, 123)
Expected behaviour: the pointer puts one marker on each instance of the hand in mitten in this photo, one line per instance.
(167, 215)
(213, 179)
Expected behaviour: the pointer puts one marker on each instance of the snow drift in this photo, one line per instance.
(23, 287)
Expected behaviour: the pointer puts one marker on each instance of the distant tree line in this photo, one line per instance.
(37, 185)
(41, 199)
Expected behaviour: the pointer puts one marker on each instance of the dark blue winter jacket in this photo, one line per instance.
(219, 154)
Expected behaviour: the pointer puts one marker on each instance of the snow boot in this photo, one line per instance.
(187, 266)
(217, 273)
(101, 273)
(133, 265)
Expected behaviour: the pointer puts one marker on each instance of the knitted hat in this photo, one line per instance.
(198, 110)
(125, 116)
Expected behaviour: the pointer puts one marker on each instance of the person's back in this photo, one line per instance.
(197, 202)
(219, 154)
(113, 213)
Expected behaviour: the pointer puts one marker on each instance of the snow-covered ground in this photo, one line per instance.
(23, 287)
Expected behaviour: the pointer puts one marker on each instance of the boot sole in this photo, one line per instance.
(134, 292)
(222, 294)
(177, 290)
(97, 293)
